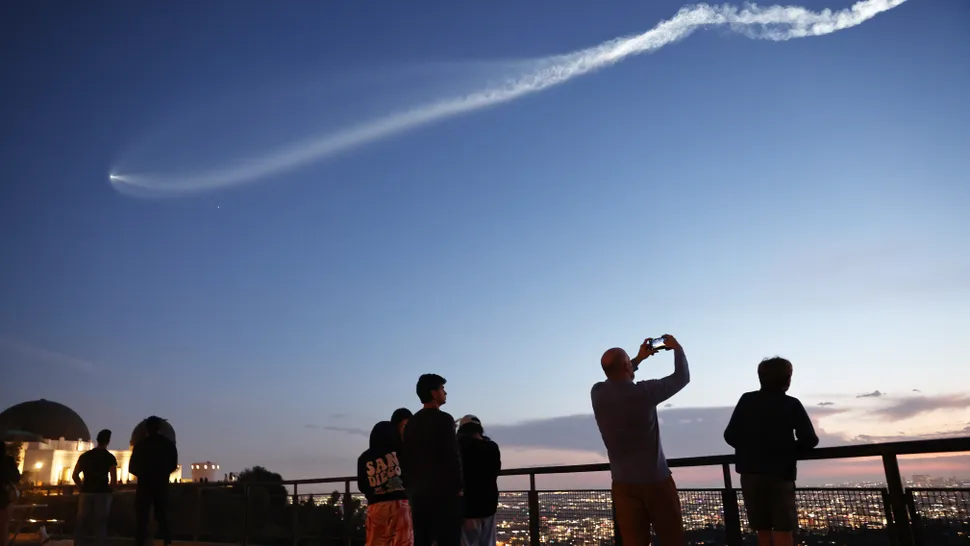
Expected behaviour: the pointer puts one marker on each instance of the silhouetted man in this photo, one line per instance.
(96, 474)
(432, 468)
(153, 459)
(768, 430)
(644, 492)
(481, 461)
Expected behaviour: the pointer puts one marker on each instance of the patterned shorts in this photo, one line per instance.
(389, 524)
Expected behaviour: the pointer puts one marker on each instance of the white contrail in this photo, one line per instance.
(777, 23)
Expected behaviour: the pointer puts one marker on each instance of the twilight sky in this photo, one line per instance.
(804, 198)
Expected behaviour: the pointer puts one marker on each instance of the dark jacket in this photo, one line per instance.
(153, 459)
(378, 468)
(768, 430)
(481, 462)
(431, 461)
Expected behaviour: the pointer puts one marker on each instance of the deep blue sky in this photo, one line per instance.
(807, 198)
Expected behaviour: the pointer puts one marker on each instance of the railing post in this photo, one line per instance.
(245, 540)
(915, 521)
(296, 514)
(617, 537)
(732, 514)
(890, 527)
(534, 534)
(348, 515)
(897, 500)
(198, 512)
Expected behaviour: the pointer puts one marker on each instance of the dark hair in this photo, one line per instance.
(104, 437)
(470, 429)
(400, 414)
(153, 424)
(427, 384)
(383, 437)
(775, 373)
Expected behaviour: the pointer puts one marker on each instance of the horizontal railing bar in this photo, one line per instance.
(913, 447)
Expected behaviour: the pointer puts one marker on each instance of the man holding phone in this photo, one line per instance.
(644, 492)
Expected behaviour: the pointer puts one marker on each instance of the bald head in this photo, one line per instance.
(616, 363)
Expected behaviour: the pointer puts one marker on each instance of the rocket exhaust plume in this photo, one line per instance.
(774, 23)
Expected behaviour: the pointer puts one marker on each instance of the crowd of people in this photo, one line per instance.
(427, 482)
(153, 459)
(428, 478)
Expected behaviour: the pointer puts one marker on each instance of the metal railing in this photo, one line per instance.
(286, 513)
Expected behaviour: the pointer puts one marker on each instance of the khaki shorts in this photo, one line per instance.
(640, 507)
(770, 502)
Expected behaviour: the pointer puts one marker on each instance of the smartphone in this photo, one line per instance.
(658, 344)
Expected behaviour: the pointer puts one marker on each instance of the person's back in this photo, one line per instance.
(96, 467)
(481, 461)
(626, 415)
(379, 479)
(768, 430)
(628, 423)
(153, 459)
(434, 468)
(643, 490)
(763, 432)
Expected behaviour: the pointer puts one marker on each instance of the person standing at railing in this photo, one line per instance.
(9, 478)
(95, 474)
(644, 492)
(768, 430)
(379, 479)
(153, 459)
(481, 462)
(432, 468)
(400, 419)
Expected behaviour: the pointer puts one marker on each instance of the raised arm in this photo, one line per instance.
(659, 390)
(805, 437)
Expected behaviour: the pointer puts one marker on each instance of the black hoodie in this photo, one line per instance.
(481, 463)
(378, 469)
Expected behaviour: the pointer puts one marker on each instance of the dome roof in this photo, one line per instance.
(47, 419)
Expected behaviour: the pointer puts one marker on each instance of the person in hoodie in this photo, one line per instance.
(379, 479)
(481, 463)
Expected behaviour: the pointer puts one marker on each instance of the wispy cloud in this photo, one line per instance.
(24, 353)
(826, 404)
(311, 426)
(349, 430)
(911, 406)
(873, 394)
